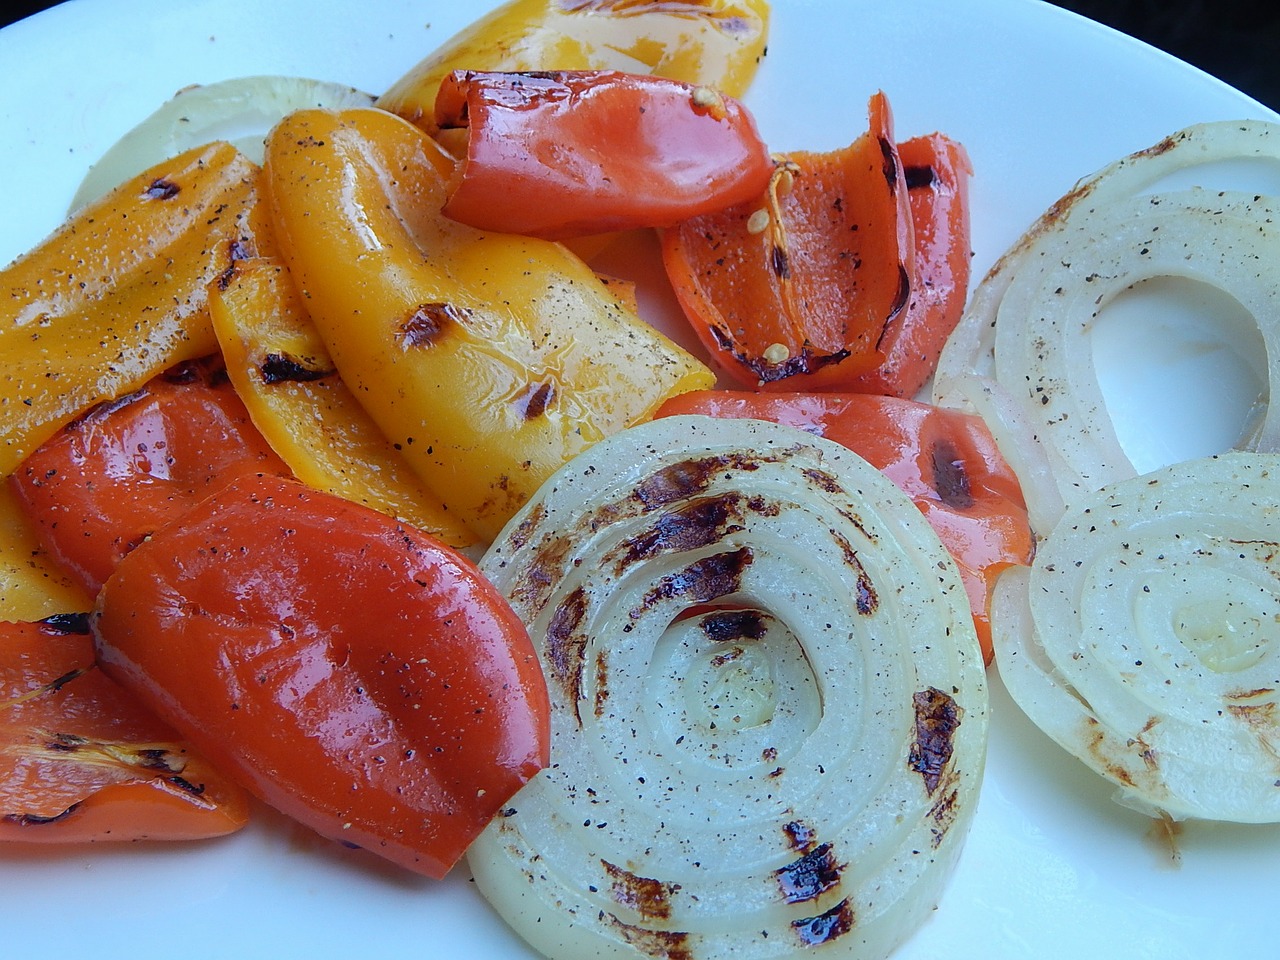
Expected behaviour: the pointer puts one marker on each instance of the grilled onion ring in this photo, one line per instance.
(1144, 639)
(768, 703)
(1028, 324)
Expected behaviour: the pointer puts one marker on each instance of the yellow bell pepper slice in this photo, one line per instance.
(281, 369)
(491, 359)
(118, 292)
(716, 43)
(32, 585)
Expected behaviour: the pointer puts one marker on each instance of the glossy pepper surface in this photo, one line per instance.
(118, 293)
(282, 371)
(572, 153)
(113, 477)
(717, 43)
(795, 289)
(352, 672)
(82, 759)
(489, 359)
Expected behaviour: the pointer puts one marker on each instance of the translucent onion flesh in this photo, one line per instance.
(1027, 328)
(769, 707)
(1145, 639)
(241, 111)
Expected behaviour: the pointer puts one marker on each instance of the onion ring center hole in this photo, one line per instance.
(732, 687)
(1182, 367)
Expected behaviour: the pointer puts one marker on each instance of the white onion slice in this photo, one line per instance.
(1028, 323)
(769, 708)
(1145, 639)
(241, 111)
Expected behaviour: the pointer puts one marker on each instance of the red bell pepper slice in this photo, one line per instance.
(846, 274)
(81, 759)
(937, 171)
(573, 153)
(114, 476)
(356, 674)
(945, 460)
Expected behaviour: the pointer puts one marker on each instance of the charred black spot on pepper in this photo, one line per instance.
(649, 898)
(950, 478)
(35, 819)
(702, 581)
(535, 400)
(728, 625)
(282, 368)
(825, 927)
(937, 718)
(182, 783)
(53, 686)
(889, 162)
(161, 189)
(920, 176)
(780, 262)
(428, 322)
(77, 623)
(809, 877)
(65, 742)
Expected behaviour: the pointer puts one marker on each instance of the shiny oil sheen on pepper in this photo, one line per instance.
(490, 359)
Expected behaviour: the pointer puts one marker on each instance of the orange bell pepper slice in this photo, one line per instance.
(81, 759)
(717, 43)
(356, 674)
(118, 293)
(796, 288)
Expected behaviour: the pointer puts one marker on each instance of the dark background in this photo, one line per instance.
(1235, 40)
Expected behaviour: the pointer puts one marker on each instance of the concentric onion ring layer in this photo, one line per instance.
(769, 708)
(1146, 637)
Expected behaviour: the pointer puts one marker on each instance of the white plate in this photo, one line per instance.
(1040, 97)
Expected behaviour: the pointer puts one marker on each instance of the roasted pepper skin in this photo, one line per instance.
(114, 476)
(356, 674)
(717, 43)
(564, 154)
(489, 359)
(795, 289)
(282, 371)
(81, 759)
(119, 292)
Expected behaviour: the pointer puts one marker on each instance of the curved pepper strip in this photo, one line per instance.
(113, 477)
(354, 673)
(945, 460)
(796, 289)
(717, 43)
(81, 759)
(282, 371)
(118, 293)
(937, 171)
(575, 153)
(490, 359)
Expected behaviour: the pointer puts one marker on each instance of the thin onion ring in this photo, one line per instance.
(769, 706)
(1144, 637)
(1027, 325)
